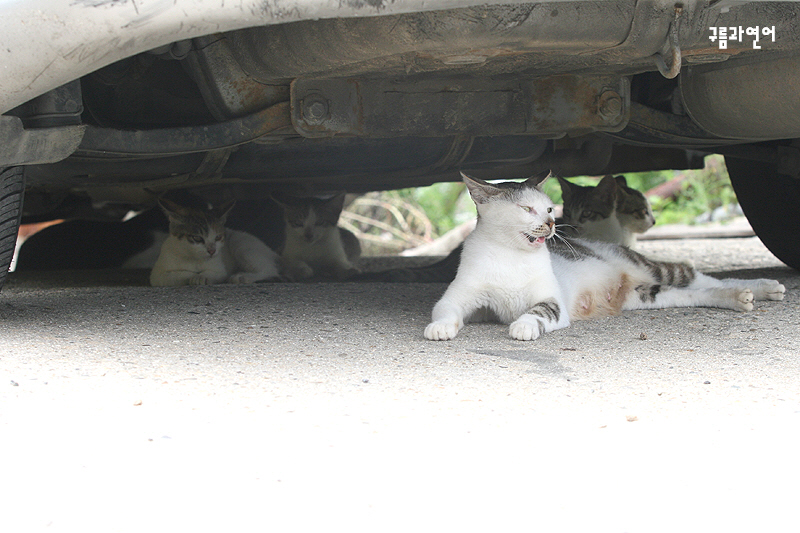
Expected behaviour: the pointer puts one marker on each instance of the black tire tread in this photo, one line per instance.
(12, 188)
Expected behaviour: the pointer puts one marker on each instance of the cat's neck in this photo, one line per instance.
(607, 230)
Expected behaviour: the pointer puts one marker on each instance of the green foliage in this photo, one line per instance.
(429, 212)
(446, 204)
(701, 191)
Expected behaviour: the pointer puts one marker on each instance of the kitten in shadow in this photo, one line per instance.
(314, 244)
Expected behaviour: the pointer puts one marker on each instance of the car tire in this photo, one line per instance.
(771, 203)
(12, 188)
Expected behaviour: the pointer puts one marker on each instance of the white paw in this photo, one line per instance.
(769, 289)
(198, 280)
(441, 331)
(744, 300)
(525, 330)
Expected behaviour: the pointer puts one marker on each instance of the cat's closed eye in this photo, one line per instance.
(195, 239)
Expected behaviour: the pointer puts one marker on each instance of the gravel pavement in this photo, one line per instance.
(320, 406)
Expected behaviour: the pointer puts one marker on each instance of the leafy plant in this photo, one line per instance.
(391, 221)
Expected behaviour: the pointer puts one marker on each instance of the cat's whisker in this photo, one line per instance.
(567, 244)
(565, 225)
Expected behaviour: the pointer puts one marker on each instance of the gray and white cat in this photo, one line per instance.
(200, 250)
(610, 212)
(314, 244)
(513, 271)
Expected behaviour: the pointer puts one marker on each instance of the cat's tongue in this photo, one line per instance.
(539, 240)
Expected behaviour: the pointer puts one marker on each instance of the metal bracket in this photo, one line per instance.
(545, 107)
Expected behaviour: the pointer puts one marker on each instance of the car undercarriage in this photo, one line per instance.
(374, 96)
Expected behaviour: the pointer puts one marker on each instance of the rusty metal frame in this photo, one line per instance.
(548, 108)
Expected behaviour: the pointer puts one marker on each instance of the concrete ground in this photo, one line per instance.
(303, 407)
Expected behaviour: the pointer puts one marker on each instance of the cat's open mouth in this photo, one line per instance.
(532, 239)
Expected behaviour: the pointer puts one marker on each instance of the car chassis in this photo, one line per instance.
(108, 103)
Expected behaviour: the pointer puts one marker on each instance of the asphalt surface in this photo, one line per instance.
(320, 406)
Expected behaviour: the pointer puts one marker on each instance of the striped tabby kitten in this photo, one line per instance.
(609, 212)
(200, 250)
(314, 244)
(512, 271)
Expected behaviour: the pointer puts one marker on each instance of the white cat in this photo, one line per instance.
(511, 271)
(200, 250)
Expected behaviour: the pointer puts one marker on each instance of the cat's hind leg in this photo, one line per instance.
(762, 289)
(664, 296)
(256, 267)
(543, 317)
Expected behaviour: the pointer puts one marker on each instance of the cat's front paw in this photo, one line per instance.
(526, 329)
(198, 280)
(744, 300)
(345, 273)
(238, 279)
(441, 331)
(297, 271)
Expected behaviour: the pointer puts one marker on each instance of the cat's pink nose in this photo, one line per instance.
(211, 250)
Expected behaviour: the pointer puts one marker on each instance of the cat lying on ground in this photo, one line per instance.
(512, 270)
(314, 244)
(80, 244)
(610, 212)
(200, 250)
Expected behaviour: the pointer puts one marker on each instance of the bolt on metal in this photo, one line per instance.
(609, 105)
(315, 109)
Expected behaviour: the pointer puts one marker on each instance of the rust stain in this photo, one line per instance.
(250, 94)
(564, 102)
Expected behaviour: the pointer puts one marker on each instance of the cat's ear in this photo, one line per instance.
(336, 203)
(480, 191)
(621, 181)
(171, 209)
(607, 189)
(222, 211)
(538, 179)
(566, 189)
